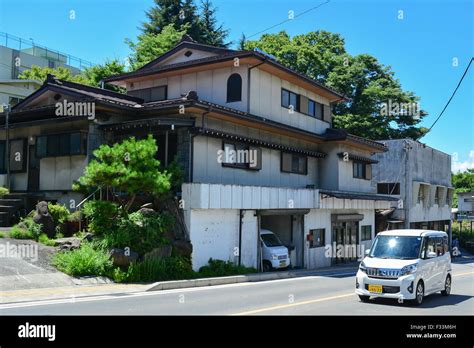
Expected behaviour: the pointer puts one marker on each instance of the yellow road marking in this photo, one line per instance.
(312, 301)
(294, 304)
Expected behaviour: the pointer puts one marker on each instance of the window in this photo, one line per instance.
(445, 243)
(243, 156)
(358, 170)
(3, 153)
(439, 246)
(366, 232)
(290, 100)
(234, 88)
(316, 237)
(437, 197)
(66, 144)
(421, 196)
(318, 110)
(388, 188)
(293, 163)
(14, 100)
(150, 94)
(18, 155)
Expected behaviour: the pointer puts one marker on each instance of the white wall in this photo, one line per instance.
(58, 173)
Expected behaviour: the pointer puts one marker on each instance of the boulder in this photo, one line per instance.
(123, 258)
(68, 244)
(43, 217)
(161, 252)
(183, 247)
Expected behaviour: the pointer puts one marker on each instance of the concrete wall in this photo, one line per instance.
(466, 201)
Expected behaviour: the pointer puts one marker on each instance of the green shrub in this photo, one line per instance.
(84, 261)
(102, 216)
(59, 212)
(58, 235)
(2, 235)
(43, 239)
(3, 191)
(75, 217)
(153, 269)
(219, 268)
(26, 229)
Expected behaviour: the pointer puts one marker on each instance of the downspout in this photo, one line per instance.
(241, 213)
(248, 83)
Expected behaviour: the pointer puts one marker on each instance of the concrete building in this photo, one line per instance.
(420, 177)
(17, 55)
(466, 202)
(307, 182)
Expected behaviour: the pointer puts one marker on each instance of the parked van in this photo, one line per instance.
(405, 265)
(274, 253)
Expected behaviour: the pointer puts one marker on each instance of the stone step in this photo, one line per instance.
(11, 201)
(8, 208)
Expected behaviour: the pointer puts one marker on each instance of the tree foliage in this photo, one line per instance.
(38, 73)
(129, 167)
(199, 23)
(362, 78)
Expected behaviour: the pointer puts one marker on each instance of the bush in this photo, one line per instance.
(59, 212)
(102, 216)
(2, 235)
(141, 233)
(43, 239)
(27, 229)
(219, 268)
(84, 261)
(3, 191)
(153, 269)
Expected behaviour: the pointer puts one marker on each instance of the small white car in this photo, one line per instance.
(274, 253)
(405, 265)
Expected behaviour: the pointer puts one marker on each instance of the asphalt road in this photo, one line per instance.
(313, 295)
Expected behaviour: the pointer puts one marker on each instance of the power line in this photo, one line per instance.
(452, 96)
(289, 19)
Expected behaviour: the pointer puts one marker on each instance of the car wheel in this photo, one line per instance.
(420, 293)
(267, 267)
(364, 298)
(447, 286)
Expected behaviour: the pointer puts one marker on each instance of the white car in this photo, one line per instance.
(274, 253)
(405, 265)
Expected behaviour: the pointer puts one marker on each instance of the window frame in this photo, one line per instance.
(355, 173)
(25, 155)
(390, 186)
(313, 241)
(236, 99)
(242, 146)
(290, 93)
(363, 230)
(59, 153)
(291, 171)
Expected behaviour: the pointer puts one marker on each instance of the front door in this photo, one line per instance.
(346, 236)
(33, 170)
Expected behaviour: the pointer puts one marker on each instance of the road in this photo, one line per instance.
(312, 295)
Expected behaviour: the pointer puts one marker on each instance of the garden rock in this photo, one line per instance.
(145, 211)
(68, 244)
(43, 217)
(161, 252)
(88, 237)
(122, 258)
(183, 248)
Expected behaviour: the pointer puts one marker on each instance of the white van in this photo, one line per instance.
(274, 253)
(405, 265)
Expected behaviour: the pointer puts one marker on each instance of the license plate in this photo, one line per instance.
(375, 288)
(282, 264)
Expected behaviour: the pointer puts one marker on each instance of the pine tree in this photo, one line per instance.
(211, 33)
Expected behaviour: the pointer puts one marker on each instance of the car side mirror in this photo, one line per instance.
(431, 255)
(367, 251)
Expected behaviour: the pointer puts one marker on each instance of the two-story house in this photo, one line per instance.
(253, 137)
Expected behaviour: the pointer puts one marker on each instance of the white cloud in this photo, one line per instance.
(457, 166)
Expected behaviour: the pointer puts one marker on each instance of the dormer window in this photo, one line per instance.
(234, 88)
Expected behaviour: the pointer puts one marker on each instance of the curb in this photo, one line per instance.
(257, 277)
(201, 282)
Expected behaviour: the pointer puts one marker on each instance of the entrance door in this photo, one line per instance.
(346, 236)
(33, 170)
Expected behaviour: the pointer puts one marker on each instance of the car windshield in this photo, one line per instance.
(271, 240)
(396, 247)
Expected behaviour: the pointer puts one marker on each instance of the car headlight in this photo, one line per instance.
(274, 256)
(409, 269)
(362, 267)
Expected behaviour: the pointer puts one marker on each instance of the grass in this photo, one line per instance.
(84, 261)
(18, 232)
(43, 239)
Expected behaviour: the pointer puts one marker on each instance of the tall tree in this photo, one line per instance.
(151, 46)
(97, 73)
(201, 24)
(370, 85)
(211, 33)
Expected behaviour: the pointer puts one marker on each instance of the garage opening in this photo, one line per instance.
(288, 227)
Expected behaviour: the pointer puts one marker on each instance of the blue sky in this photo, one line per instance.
(420, 47)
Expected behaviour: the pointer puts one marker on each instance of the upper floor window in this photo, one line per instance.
(150, 94)
(315, 109)
(388, 188)
(234, 88)
(238, 155)
(293, 163)
(361, 170)
(290, 100)
(56, 145)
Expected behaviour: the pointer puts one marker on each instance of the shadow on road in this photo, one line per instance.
(431, 301)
